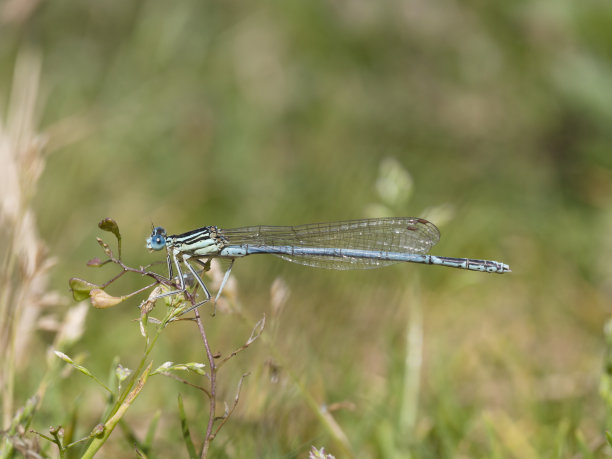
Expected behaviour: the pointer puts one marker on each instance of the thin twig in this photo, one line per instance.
(255, 333)
(213, 386)
(184, 381)
(229, 413)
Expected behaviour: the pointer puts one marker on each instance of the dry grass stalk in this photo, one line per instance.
(24, 259)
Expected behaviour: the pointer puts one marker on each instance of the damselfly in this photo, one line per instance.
(352, 244)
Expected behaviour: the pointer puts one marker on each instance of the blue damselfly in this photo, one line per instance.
(352, 244)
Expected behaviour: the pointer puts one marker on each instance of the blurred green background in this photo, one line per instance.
(492, 119)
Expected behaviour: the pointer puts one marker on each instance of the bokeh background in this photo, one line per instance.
(492, 119)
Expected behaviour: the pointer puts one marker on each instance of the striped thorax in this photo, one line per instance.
(202, 242)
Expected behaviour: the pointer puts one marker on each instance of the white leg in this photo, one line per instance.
(200, 283)
(181, 280)
(225, 278)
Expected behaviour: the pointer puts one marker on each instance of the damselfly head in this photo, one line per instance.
(157, 240)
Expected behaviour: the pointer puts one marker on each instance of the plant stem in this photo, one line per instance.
(213, 378)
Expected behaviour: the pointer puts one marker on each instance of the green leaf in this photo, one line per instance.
(69, 361)
(119, 411)
(148, 441)
(81, 288)
(582, 444)
(110, 225)
(195, 367)
(80, 368)
(185, 429)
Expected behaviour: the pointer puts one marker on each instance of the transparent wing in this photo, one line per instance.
(398, 234)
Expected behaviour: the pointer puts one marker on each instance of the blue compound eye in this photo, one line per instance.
(157, 240)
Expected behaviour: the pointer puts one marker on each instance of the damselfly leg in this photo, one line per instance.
(176, 260)
(205, 266)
